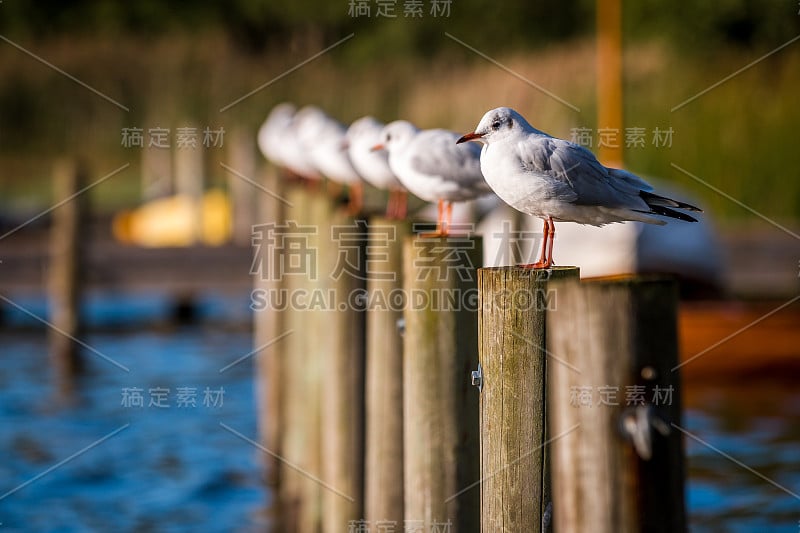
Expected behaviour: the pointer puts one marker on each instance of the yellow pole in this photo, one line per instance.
(610, 135)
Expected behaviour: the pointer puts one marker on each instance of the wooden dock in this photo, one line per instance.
(486, 391)
(446, 410)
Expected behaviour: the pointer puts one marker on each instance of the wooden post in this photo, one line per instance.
(295, 435)
(242, 152)
(383, 490)
(67, 236)
(511, 336)
(312, 361)
(440, 429)
(341, 329)
(268, 321)
(190, 182)
(618, 341)
(156, 172)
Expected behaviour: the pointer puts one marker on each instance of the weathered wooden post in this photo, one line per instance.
(156, 172)
(299, 265)
(617, 462)
(268, 319)
(515, 483)
(383, 485)
(242, 152)
(67, 235)
(190, 182)
(341, 332)
(440, 429)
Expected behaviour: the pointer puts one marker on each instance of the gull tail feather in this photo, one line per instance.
(660, 205)
(667, 212)
(656, 200)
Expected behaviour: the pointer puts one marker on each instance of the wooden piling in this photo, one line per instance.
(269, 322)
(440, 429)
(190, 182)
(67, 236)
(618, 341)
(156, 173)
(297, 512)
(383, 490)
(515, 483)
(242, 157)
(341, 333)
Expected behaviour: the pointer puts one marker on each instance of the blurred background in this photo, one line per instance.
(709, 108)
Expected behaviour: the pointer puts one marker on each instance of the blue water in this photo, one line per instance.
(172, 468)
(176, 468)
(757, 424)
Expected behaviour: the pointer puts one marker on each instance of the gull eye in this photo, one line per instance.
(496, 125)
(388, 136)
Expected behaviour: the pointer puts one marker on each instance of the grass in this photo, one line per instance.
(738, 137)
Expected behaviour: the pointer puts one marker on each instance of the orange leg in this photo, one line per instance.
(333, 188)
(401, 204)
(552, 239)
(448, 217)
(440, 217)
(391, 205)
(356, 200)
(312, 184)
(440, 223)
(545, 259)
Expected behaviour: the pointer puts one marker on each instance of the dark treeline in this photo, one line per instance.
(256, 25)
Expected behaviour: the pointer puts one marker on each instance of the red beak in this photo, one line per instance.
(377, 147)
(469, 137)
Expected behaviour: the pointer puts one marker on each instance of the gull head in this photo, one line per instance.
(364, 127)
(497, 125)
(396, 135)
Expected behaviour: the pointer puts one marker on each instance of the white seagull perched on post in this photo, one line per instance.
(373, 165)
(279, 142)
(271, 132)
(554, 179)
(431, 166)
(323, 141)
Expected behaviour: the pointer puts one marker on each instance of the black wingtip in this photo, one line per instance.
(661, 205)
(667, 212)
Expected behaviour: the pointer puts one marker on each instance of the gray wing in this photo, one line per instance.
(439, 155)
(577, 176)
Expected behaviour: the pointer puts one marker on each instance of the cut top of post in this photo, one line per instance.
(537, 274)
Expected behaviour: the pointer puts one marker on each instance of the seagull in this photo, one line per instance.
(323, 140)
(278, 141)
(554, 179)
(373, 165)
(430, 165)
(269, 135)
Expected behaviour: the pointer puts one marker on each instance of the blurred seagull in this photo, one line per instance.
(271, 132)
(373, 165)
(554, 179)
(323, 138)
(430, 165)
(278, 141)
